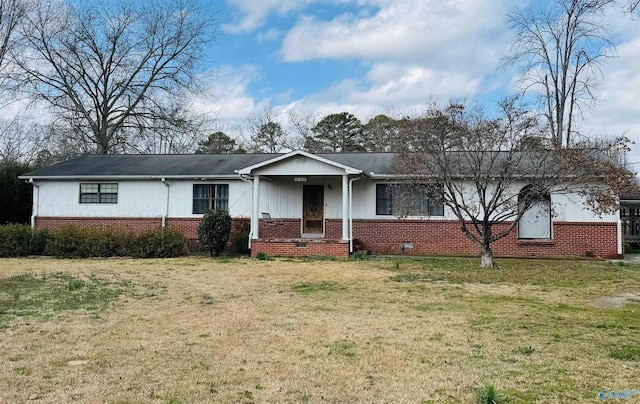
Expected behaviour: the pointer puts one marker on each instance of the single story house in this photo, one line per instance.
(296, 204)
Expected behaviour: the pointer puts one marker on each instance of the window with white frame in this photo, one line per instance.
(210, 196)
(99, 193)
(407, 200)
(535, 222)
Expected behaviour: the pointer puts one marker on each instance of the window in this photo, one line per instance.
(210, 196)
(535, 222)
(98, 193)
(406, 200)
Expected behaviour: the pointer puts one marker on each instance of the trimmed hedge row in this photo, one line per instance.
(74, 242)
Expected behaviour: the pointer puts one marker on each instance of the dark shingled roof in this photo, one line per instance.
(196, 165)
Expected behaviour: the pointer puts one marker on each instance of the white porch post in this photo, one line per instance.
(345, 207)
(255, 215)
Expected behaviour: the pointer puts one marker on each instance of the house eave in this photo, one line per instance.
(130, 177)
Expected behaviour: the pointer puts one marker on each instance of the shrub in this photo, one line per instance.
(68, 242)
(360, 255)
(261, 255)
(240, 242)
(15, 240)
(160, 243)
(490, 395)
(214, 230)
(39, 239)
(73, 242)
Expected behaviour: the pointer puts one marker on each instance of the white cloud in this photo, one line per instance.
(417, 51)
(229, 97)
(618, 111)
(453, 35)
(269, 35)
(254, 13)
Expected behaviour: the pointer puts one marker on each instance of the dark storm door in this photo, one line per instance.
(312, 209)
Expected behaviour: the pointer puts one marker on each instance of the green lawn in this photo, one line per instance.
(199, 329)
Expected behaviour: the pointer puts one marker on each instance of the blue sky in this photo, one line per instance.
(388, 56)
(367, 57)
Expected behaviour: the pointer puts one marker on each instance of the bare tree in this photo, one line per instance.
(266, 133)
(106, 68)
(631, 5)
(21, 140)
(12, 13)
(172, 128)
(560, 51)
(381, 134)
(488, 177)
(301, 124)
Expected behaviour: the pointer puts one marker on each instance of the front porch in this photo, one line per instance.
(300, 247)
(301, 206)
(283, 237)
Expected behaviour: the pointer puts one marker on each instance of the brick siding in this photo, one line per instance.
(300, 248)
(445, 237)
(380, 236)
(134, 225)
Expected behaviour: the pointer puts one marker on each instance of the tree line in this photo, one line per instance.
(118, 77)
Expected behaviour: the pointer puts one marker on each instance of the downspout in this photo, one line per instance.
(248, 181)
(351, 212)
(166, 211)
(619, 227)
(619, 232)
(36, 202)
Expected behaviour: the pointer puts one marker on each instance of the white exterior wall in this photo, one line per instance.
(567, 207)
(364, 202)
(281, 197)
(181, 197)
(135, 199)
(139, 198)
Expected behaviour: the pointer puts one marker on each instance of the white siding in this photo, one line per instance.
(281, 197)
(299, 166)
(364, 202)
(572, 208)
(137, 199)
(568, 207)
(181, 197)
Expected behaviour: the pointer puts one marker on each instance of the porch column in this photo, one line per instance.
(255, 215)
(345, 207)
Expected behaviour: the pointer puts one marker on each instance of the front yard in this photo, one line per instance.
(227, 330)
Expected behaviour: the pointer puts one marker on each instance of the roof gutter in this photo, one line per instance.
(130, 177)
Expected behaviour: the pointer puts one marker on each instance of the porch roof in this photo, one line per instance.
(328, 163)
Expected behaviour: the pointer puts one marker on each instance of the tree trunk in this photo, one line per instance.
(486, 256)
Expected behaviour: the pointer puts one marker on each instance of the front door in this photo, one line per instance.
(312, 209)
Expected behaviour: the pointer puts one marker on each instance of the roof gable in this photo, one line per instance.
(298, 163)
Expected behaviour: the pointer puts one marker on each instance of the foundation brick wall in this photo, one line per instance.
(300, 248)
(380, 236)
(280, 228)
(134, 225)
(188, 226)
(445, 237)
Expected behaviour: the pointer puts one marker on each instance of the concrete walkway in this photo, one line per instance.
(630, 258)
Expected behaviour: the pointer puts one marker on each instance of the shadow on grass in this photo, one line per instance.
(40, 297)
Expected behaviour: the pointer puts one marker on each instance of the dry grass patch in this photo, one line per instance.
(238, 330)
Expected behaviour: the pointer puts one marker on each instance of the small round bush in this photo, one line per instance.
(214, 230)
